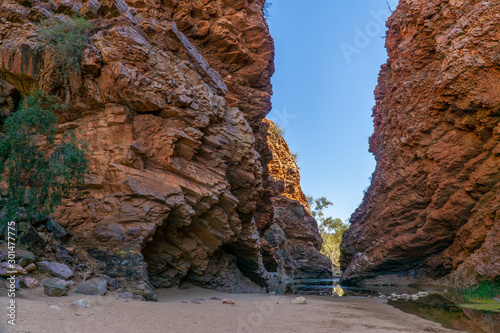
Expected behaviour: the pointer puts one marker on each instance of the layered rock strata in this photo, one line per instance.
(170, 99)
(433, 208)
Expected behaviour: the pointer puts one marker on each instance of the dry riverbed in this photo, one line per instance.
(199, 310)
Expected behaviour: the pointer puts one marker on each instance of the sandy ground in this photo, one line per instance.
(174, 312)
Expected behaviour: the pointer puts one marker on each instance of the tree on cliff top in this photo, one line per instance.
(38, 170)
(331, 229)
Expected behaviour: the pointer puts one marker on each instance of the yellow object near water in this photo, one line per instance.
(338, 291)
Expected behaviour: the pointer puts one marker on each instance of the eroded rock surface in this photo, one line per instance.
(433, 207)
(171, 99)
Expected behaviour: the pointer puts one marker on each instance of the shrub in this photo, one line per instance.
(69, 39)
(40, 171)
(483, 290)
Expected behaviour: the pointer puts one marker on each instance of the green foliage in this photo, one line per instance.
(38, 170)
(483, 290)
(331, 229)
(277, 133)
(277, 130)
(69, 38)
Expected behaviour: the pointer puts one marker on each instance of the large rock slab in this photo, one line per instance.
(55, 287)
(55, 269)
(96, 286)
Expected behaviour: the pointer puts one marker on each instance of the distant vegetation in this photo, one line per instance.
(331, 229)
(69, 38)
(38, 170)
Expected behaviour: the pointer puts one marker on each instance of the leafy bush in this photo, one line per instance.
(483, 290)
(40, 171)
(69, 39)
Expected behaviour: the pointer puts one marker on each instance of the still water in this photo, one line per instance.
(441, 305)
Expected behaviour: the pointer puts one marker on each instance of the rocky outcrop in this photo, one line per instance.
(283, 167)
(432, 209)
(291, 237)
(170, 99)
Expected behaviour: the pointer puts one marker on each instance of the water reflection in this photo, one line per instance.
(439, 309)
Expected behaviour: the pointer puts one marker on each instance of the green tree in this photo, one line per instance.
(331, 229)
(38, 169)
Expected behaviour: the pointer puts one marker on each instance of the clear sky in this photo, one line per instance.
(328, 56)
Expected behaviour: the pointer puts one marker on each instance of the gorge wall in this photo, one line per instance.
(433, 208)
(171, 98)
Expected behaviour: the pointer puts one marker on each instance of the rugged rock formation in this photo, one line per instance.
(433, 208)
(291, 237)
(170, 98)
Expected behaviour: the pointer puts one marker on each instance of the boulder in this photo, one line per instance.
(55, 269)
(22, 256)
(113, 284)
(30, 282)
(96, 286)
(6, 269)
(30, 268)
(57, 230)
(29, 238)
(55, 287)
(126, 294)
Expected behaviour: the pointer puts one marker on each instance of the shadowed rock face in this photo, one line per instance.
(432, 209)
(178, 184)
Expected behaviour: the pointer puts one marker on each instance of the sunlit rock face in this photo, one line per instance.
(433, 208)
(291, 236)
(171, 99)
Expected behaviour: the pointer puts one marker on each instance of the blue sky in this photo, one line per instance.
(328, 56)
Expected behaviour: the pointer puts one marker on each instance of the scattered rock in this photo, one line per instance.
(215, 298)
(30, 238)
(97, 286)
(126, 294)
(55, 287)
(195, 301)
(299, 300)
(30, 282)
(83, 303)
(22, 256)
(55, 269)
(6, 269)
(227, 301)
(30, 268)
(57, 230)
(113, 284)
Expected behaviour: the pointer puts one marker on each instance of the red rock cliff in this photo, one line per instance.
(171, 99)
(433, 208)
